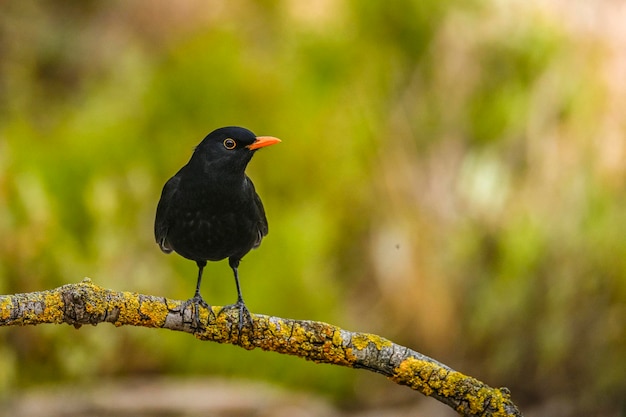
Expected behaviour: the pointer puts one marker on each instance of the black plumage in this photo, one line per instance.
(210, 210)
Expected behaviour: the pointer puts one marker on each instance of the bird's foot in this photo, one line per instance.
(244, 314)
(197, 301)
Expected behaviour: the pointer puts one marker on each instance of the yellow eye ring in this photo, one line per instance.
(230, 144)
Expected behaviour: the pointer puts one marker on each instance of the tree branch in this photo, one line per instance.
(86, 303)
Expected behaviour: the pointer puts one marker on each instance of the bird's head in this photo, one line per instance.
(231, 147)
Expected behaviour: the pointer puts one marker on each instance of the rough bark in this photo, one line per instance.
(85, 303)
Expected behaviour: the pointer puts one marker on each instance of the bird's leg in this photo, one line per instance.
(197, 299)
(243, 310)
(240, 305)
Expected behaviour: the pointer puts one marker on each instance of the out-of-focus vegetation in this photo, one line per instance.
(452, 176)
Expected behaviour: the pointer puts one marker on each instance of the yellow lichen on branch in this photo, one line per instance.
(477, 398)
(362, 340)
(86, 303)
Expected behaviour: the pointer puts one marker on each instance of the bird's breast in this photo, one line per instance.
(213, 226)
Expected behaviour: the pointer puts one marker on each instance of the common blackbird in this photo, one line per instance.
(210, 210)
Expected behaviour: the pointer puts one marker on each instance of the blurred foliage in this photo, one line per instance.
(452, 176)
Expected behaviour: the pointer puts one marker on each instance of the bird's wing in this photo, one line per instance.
(261, 225)
(161, 222)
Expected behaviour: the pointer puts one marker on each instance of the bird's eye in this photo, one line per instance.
(230, 144)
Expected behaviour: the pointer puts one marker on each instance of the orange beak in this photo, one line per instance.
(262, 141)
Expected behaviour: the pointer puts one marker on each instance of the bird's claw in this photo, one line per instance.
(197, 301)
(243, 312)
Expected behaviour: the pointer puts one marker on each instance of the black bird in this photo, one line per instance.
(210, 210)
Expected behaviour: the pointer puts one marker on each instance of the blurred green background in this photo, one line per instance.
(452, 176)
